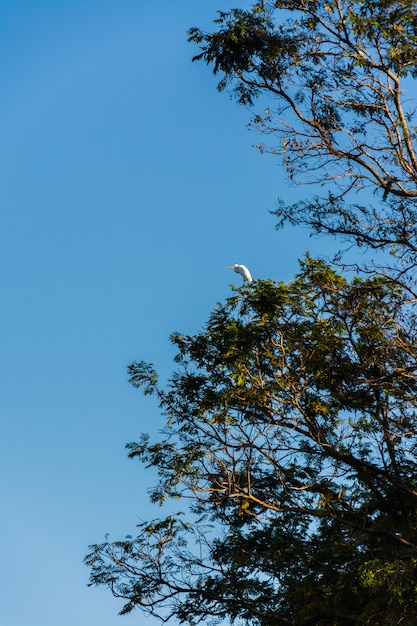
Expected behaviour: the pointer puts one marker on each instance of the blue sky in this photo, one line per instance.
(127, 185)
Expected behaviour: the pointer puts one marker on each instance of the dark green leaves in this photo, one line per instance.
(338, 110)
(246, 42)
(290, 441)
(143, 375)
(290, 437)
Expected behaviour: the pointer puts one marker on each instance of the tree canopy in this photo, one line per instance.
(336, 79)
(291, 434)
(290, 444)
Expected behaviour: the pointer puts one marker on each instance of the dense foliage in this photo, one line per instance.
(290, 444)
(291, 433)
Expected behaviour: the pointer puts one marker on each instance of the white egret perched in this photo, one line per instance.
(242, 270)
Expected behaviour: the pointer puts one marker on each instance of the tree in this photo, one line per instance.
(290, 442)
(336, 80)
(291, 435)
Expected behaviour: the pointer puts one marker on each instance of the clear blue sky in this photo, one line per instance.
(127, 185)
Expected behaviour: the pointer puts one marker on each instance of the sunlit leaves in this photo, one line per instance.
(338, 110)
(290, 441)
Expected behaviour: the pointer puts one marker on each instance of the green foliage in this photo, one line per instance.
(290, 438)
(336, 78)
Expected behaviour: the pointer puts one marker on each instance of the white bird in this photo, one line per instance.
(242, 270)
